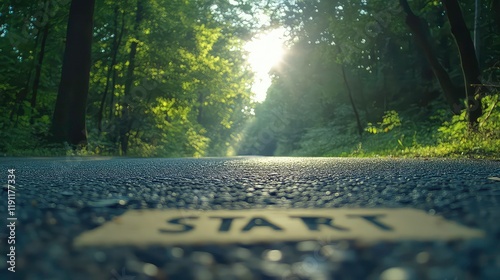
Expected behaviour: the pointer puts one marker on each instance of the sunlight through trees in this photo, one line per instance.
(214, 78)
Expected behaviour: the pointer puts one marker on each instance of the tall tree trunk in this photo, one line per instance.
(468, 60)
(38, 69)
(354, 109)
(351, 99)
(419, 31)
(68, 121)
(111, 71)
(115, 73)
(111, 114)
(477, 15)
(126, 120)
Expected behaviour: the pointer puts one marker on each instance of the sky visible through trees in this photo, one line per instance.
(265, 52)
(215, 78)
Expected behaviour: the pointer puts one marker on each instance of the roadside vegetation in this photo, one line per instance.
(407, 134)
(433, 132)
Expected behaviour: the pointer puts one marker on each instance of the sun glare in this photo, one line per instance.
(265, 51)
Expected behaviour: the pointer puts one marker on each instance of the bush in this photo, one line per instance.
(389, 121)
(457, 139)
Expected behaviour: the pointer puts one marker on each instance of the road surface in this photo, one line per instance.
(59, 200)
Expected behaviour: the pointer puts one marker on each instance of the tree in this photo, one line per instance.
(351, 100)
(38, 68)
(420, 30)
(468, 61)
(111, 73)
(126, 119)
(68, 122)
(172, 75)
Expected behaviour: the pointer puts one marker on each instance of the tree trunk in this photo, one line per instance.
(114, 133)
(115, 73)
(126, 120)
(68, 121)
(20, 97)
(110, 77)
(418, 29)
(349, 92)
(477, 14)
(354, 109)
(38, 68)
(470, 66)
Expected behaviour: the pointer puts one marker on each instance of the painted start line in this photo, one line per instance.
(171, 227)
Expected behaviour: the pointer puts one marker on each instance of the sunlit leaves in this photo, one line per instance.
(189, 60)
(190, 82)
(389, 121)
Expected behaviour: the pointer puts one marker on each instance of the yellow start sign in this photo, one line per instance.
(170, 227)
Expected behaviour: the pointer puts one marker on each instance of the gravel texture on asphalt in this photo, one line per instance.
(59, 198)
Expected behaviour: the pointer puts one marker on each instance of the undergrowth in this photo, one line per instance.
(404, 135)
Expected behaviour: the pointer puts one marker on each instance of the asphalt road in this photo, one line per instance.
(57, 199)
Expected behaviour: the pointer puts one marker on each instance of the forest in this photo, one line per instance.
(171, 78)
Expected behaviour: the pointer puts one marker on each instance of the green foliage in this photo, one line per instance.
(323, 141)
(440, 135)
(22, 137)
(389, 121)
(364, 48)
(190, 93)
(190, 83)
(456, 139)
